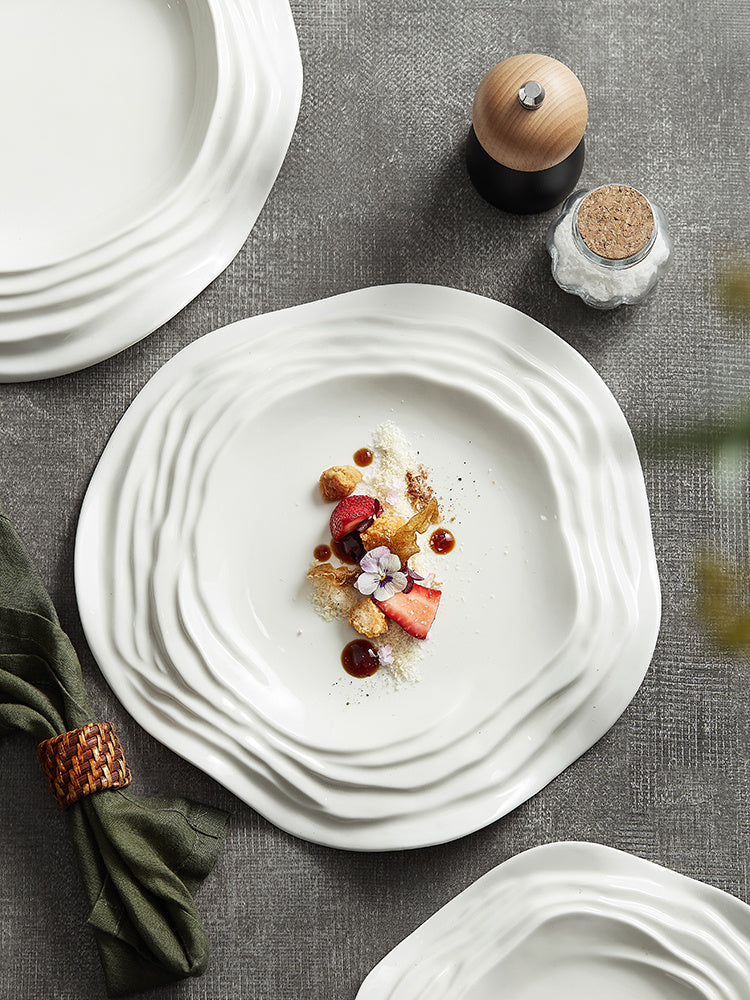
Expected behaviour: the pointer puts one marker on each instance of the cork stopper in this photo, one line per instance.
(615, 221)
(529, 112)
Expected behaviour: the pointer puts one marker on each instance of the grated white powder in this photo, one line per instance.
(392, 458)
(407, 654)
(385, 479)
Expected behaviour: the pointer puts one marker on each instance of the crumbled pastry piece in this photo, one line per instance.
(382, 530)
(338, 575)
(338, 481)
(368, 619)
(404, 541)
(330, 599)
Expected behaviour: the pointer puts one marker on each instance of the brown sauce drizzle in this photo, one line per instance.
(362, 457)
(322, 553)
(442, 541)
(360, 658)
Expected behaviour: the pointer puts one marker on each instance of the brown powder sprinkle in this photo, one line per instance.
(615, 221)
(418, 490)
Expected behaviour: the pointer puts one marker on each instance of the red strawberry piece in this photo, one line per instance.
(414, 610)
(354, 513)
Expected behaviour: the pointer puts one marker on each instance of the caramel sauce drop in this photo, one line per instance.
(360, 658)
(441, 541)
(362, 457)
(322, 553)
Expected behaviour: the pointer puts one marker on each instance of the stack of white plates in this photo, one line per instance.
(141, 141)
(575, 921)
(203, 513)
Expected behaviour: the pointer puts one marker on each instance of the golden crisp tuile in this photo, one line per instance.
(404, 541)
(340, 575)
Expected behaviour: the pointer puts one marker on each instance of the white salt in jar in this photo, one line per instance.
(609, 245)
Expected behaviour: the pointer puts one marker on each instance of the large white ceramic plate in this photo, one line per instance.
(201, 519)
(140, 143)
(574, 921)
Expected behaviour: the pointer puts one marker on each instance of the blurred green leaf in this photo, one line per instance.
(705, 436)
(733, 288)
(723, 586)
(724, 601)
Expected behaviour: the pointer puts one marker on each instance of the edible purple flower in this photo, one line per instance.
(381, 575)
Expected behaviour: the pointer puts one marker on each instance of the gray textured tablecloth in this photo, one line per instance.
(374, 190)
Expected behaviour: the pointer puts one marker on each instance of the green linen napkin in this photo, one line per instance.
(140, 860)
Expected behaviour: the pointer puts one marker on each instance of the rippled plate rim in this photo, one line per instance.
(194, 395)
(468, 816)
(100, 302)
(549, 881)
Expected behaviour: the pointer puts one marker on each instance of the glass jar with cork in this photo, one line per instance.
(610, 246)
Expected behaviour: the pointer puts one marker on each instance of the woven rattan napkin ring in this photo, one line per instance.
(83, 761)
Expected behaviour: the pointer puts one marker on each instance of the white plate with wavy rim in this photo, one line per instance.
(202, 515)
(571, 921)
(145, 140)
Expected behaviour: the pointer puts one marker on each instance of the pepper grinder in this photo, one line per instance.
(525, 148)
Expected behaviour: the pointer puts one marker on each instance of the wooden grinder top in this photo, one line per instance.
(524, 139)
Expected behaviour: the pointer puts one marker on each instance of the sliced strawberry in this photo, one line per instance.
(414, 610)
(356, 512)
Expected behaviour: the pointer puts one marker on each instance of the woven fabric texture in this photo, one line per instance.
(374, 190)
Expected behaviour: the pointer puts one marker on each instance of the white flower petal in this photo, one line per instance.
(367, 583)
(379, 553)
(399, 581)
(384, 591)
(369, 563)
(390, 564)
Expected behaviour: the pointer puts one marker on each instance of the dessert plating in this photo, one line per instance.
(385, 584)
